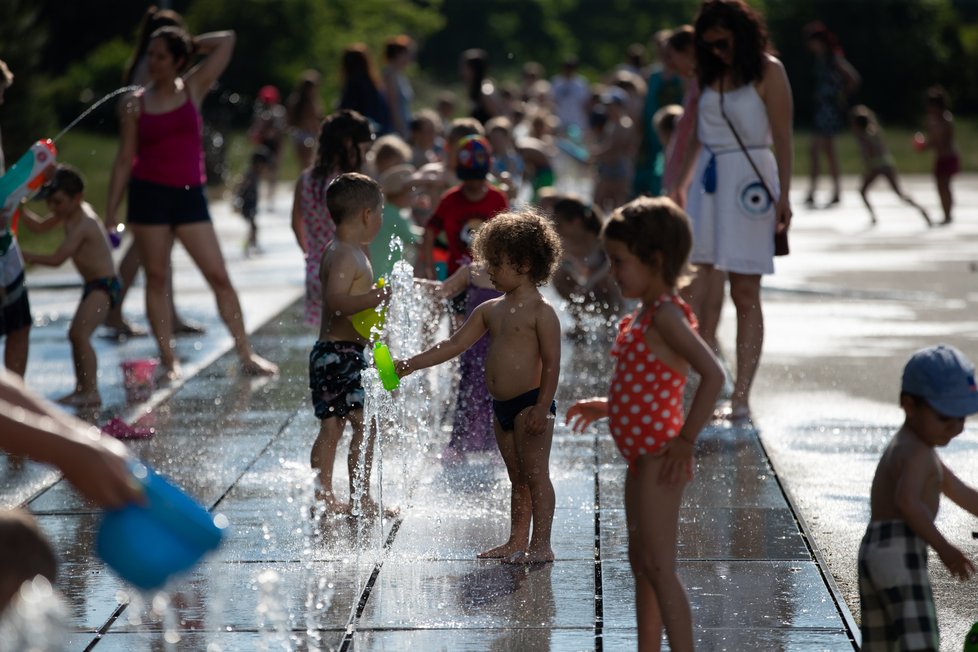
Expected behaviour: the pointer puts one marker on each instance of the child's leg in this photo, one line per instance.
(833, 161)
(652, 510)
(520, 503)
(944, 190)
(533, 455)
(891, 176)
(322, 458)
(15, 350)
(868, 180)
(91, 312)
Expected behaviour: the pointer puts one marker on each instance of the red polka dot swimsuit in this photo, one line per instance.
(645, 402)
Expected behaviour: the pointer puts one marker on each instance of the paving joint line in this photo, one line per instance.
(598, 587)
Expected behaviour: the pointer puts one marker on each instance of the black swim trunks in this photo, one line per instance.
(506, 411)
(334, 378)
(110, 285)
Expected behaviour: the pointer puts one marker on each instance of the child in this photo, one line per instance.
(464, 208)
(15, 309)
(940, 137)
(386, 152)
(87, 244)
(343, 140)
(876, 159)
(664, 122)
(268, 127)
(397, 186)
(246, 195)
(26, 553)
(521, 251)
(355, 203)
(613, 152)
(937, 393)
(427, 143)
(648, 241)
(507, 164)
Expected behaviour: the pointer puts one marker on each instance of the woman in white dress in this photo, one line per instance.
(735, 214)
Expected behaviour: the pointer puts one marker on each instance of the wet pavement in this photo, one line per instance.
(840, 324)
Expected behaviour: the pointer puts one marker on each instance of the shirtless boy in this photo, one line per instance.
(87, 244)
(521, 251)
(355, 203)
(937, 393)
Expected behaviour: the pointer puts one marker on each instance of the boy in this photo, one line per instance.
(520, 251)
(938, 392)
(87, 244)
(355, 203)
(397, 184)
(464, 208)
(15, 309)
(245, 198)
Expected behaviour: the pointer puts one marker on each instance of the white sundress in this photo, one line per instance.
(733, 217)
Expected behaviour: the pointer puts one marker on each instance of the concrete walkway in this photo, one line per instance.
(286, 581)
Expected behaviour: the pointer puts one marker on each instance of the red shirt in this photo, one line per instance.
(459, 217)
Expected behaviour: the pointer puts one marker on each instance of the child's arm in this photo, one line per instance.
(426, 266)
(678, 335)
(548, 339)
(455, 284)
(585, 412)
(337, 293)
(37, 224)
(960, 494)
(298, 228)
(916, 474)
(469, 333)
(72, 242)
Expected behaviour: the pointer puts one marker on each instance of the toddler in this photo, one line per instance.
(648, 242)
(521, 252)
(940, 137)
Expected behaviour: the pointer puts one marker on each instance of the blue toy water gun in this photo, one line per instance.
(22, 180)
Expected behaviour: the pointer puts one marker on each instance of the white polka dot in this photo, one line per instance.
(666, 375)
(624, 398)
(664, 393)
(629, 441)
(636, 430)
(616, 387)
(636, 388)
(635, 409)
(655, 406)
(624, 421)
(641, 450)
(650, 441)
(641, 346)
(628, 378)
(630, 357)
(648, 398)
(650, 378)
(640, 367)
(676, 383)
(658, 426)
(674, 401)
(666, 414)
(646, 419)
(614, 409)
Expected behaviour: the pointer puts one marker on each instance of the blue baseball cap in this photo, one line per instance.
(945, 378)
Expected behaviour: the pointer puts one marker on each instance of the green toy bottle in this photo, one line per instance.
(971, 640)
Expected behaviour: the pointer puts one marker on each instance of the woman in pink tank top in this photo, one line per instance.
(160, 160)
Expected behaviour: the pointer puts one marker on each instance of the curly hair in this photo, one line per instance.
(526, 239)
(650, 225)
(749, 47)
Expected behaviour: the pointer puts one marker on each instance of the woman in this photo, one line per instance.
(734, 218)
(304, 113)
(361, 90)
(835, 80)
(479, 88)
(161, 159)
(397, 53)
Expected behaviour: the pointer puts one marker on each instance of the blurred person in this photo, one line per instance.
(940, 138)
(614, 151)
(446, 105)
(267, 130)
(664, 86)
(245, 196)
(386, 152)
(397, 184)
(398, 51)
(570, 92)
(681, 52)
(362, 90)
(426, 137)
(835, 81)
(304, 113)
(479, 87)
(507, 163)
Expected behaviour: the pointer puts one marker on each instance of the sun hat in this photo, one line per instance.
(945, 378)
(474, 158)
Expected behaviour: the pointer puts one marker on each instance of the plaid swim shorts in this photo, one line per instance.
(334, 378)
(894, 590)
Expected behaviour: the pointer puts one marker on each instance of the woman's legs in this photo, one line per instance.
(745, 290)
(833, 160)
(200, 241)
(705, 297)
(154, 244)
(652, 511)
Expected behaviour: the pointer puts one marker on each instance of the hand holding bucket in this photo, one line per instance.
(149, 543)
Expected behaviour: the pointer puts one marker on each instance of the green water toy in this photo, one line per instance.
(370, 322)
(385, 367)
(971, 640)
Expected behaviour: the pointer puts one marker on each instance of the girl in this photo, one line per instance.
(343, 141)
(648, 241)
(940, 137)
(877, 160)
(303, 114)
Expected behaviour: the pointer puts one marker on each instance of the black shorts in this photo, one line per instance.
(158, 205)
(334, 378)
(507, 411)
(17, 313)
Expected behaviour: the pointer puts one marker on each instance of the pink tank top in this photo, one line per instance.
(170, 149)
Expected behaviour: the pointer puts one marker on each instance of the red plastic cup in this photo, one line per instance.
(137, 377)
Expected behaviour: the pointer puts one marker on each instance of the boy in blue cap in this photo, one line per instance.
(937, 393)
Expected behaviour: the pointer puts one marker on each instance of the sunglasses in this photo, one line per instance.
(718, 45)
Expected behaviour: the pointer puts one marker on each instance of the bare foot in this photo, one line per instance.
(123, 331)
(501, 552)
(258, 366)
(164, 374)
(80, 399)
(327, 505)
(531, 557)
(370, 509)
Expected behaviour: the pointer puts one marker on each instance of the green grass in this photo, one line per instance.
(93, 153)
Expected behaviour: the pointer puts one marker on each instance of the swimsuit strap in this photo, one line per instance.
(668, 297)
